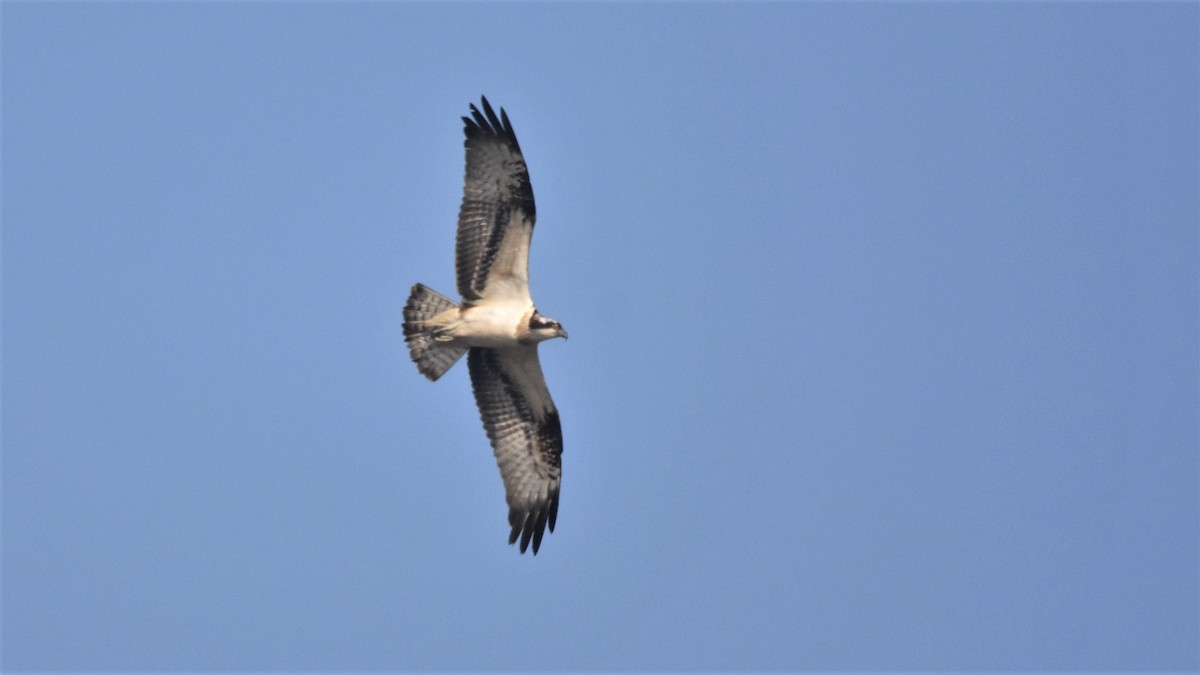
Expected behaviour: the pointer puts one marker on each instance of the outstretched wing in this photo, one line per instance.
(495, 222)
(522, 423)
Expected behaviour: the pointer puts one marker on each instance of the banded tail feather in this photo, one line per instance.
(422, 316)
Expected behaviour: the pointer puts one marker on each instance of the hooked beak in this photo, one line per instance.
(562, 332)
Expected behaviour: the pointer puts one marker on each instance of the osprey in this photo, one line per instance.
(497, 325)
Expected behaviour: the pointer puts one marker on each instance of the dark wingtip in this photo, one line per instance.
(491, 116)
(529, 528)
(479, 123)
(539, 528)
(486, 121)
(525, 535)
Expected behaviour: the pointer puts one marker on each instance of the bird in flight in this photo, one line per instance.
(497, 325)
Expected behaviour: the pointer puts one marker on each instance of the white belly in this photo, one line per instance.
(491, 325)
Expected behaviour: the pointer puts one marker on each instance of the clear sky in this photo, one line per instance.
(884, 336)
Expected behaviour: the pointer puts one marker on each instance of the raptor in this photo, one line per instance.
(497, 325)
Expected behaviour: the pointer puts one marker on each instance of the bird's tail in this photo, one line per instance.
(423, 316)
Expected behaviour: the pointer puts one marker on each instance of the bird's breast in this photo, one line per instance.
(491, 325)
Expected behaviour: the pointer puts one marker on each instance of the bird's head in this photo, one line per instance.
(542, 328)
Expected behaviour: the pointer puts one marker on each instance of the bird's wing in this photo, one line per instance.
(495, 222)
(522, 423)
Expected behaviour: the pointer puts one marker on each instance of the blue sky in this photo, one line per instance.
(884, 343)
